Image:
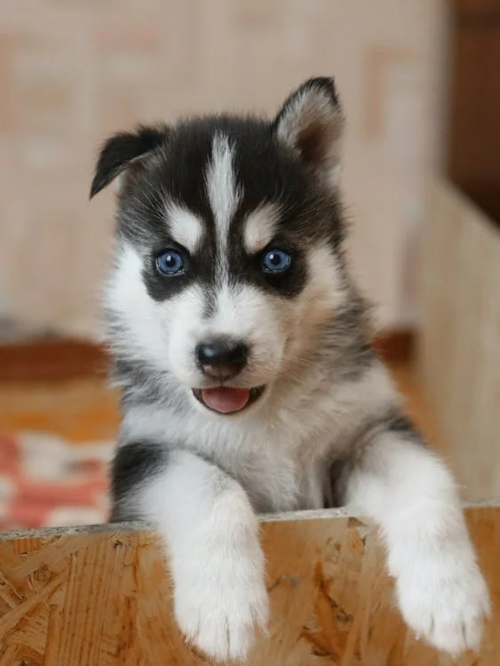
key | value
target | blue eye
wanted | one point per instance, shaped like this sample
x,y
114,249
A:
x,y
276,261
170,262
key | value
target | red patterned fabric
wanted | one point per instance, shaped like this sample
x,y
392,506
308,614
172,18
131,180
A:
x,y
45,481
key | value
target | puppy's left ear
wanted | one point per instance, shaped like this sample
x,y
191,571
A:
x,y
310,122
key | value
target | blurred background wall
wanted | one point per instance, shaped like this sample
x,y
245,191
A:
x,y
420,86
72,72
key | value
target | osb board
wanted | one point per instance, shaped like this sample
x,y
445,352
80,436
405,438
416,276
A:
x,y
459,345
101,596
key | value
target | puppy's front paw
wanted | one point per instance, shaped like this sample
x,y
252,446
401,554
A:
x,y
443,597
220,597
220,608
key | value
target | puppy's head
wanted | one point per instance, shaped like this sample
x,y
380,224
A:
x,y
228,259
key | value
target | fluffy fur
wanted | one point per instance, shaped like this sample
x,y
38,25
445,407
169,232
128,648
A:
x,y
324,426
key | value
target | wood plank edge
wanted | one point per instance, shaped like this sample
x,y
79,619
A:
x,y
142,526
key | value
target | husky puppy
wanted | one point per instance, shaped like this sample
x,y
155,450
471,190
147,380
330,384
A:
x,y
249,385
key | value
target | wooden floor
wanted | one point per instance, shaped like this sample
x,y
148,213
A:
x,y
86,409
78,410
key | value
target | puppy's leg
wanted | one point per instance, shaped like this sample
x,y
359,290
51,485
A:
x,y
397,481
211,532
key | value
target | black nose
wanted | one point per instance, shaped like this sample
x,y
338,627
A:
x,y
222,358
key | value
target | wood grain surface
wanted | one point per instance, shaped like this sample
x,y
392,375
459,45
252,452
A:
x,y
101,596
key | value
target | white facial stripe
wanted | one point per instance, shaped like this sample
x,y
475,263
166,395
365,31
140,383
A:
x,y
223,192
242,310
227,319
186,228
260,227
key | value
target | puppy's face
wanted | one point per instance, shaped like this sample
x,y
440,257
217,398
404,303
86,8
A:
x,y
228,259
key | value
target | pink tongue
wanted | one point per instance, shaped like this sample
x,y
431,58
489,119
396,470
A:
x,y
225,400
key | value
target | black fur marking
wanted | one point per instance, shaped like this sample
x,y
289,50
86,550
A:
x,y
267,172
248,268
336,483
160,287
133,463
400,424
393,420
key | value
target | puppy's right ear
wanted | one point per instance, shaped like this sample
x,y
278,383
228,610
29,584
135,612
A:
x,y
124,151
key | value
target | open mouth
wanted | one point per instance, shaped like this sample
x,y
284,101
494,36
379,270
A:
x,y
227,400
